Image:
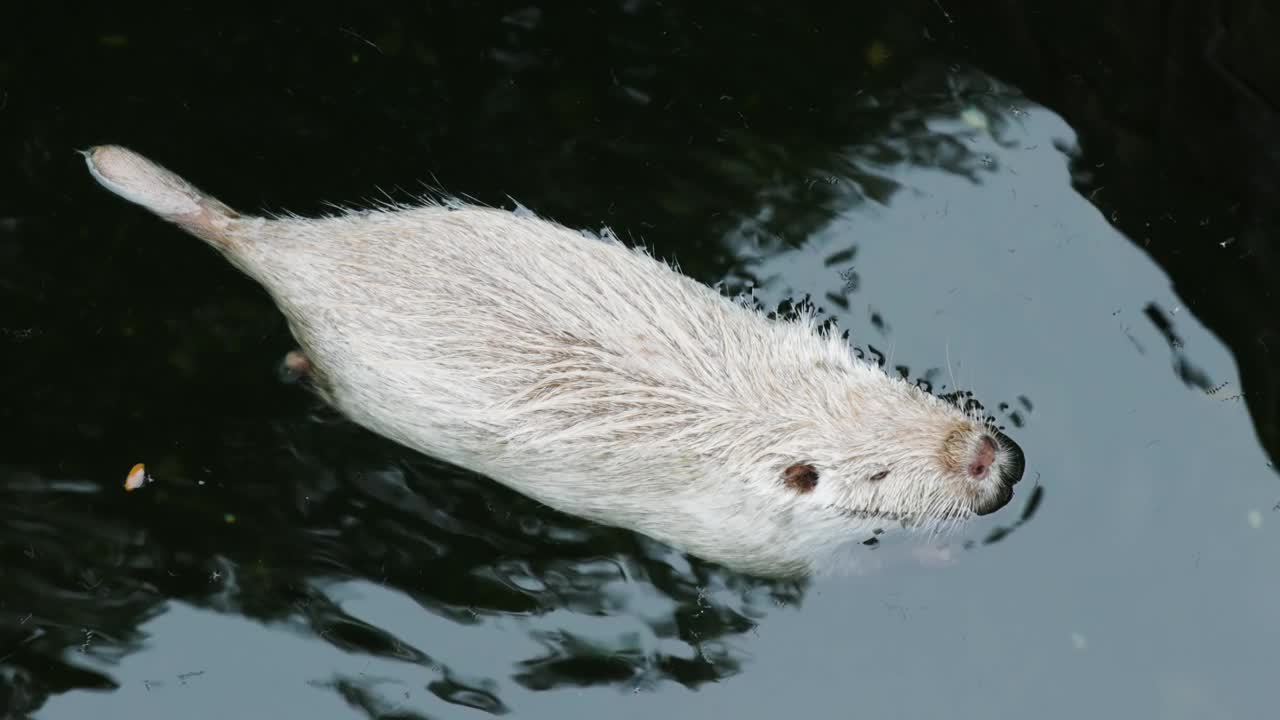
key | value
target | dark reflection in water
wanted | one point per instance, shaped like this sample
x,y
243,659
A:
x,y
1178,108
260,525
717,136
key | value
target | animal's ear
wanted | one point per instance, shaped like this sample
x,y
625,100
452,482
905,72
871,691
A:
x,y
801,477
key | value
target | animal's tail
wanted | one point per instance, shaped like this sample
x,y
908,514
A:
x,y
137,179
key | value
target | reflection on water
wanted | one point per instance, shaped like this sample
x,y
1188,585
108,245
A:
x,y
267,537
282,552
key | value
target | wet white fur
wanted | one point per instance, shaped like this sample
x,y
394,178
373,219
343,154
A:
x,y
589,376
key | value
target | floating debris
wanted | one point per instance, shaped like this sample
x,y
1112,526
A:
x,y
137,478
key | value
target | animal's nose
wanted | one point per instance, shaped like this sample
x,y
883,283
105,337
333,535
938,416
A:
x,y
980,465
1013,463
995,445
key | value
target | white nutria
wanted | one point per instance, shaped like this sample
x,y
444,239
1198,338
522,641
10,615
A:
x,y
598,380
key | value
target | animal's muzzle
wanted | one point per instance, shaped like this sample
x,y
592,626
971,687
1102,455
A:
x,y
1012,463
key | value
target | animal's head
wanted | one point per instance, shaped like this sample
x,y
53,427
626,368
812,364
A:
x,y
885,453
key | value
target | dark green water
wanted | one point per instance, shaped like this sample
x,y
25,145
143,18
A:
x,y
880,161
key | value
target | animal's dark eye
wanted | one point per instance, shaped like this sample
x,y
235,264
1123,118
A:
x,y
880,475
801,477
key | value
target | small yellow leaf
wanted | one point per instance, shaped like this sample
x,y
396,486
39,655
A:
x,y
137,478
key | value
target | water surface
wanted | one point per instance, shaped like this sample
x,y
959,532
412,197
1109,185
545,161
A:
x,y
287,564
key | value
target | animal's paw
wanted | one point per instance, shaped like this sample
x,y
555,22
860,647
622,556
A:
x,y
294,367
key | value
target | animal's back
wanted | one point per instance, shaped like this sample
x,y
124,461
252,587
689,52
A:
x,y
458,331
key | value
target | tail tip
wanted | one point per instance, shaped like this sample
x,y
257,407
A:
x,y
141,181
137,179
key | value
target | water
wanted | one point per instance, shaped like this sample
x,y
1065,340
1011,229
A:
x,y
286,564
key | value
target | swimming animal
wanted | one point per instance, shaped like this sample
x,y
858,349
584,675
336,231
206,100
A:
x,y
597,379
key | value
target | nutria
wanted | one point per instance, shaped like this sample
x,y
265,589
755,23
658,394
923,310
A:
x,y
597,379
